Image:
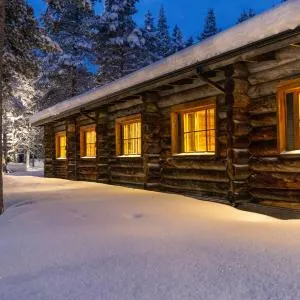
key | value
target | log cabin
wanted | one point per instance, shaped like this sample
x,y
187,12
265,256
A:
x,y
219,121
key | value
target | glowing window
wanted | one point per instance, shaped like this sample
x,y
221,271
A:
x,y
128,136
88,141
193,128
61,144
289,117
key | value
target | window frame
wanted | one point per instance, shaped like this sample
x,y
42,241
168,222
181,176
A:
x,y
119,123
289,87
83,149
177,132
58,135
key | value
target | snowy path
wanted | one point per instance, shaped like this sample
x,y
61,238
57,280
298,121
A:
x,y
74,240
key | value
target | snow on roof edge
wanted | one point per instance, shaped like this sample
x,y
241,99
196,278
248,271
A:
x,y
277,20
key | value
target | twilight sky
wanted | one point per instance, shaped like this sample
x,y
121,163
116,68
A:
x,y
189,14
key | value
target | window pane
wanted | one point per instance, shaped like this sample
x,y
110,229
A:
x,y
188,142
290,134
199,131
90,143
200,141
62,146
211,118
211,138
132,138
200,122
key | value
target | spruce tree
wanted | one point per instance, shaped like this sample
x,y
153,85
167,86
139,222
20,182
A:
x,y
24,42
164,39
119,42
177,42
210,26
245,15
190,41
151,39
65,73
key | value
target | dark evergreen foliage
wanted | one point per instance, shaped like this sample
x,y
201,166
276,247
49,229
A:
x,y
245,15
210,26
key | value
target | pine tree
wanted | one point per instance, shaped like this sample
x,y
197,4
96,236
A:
x,y
24,42
210,26
119,42
245,15
177,42
163,34
22,37
151,39
21,136
190,41
65,74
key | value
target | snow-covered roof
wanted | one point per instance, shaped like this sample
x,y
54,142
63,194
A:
x,y
277,20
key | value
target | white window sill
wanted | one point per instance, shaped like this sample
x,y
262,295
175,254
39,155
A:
x,y
195,154
294,152
87,157
61,158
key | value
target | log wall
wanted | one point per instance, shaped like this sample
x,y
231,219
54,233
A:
x,y
275,178
247,166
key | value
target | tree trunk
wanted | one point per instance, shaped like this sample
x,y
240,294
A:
x,y
27,159
32,161
2,14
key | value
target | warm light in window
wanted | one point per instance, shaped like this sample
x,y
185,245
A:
x,y
131,137
61,144
199,131
90,143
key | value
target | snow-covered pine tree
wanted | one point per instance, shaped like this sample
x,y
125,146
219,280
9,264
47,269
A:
x,y
210,26
164,40
24,40
22,37
119,42
21,137
65,74
245,15
151,39
190,41
177,42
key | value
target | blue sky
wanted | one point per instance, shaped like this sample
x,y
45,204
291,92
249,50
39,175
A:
x,y
189,14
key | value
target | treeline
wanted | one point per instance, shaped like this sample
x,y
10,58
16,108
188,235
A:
x,y
71,49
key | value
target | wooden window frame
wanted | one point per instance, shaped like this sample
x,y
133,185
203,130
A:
x,y
118,131
58,135
83,130
289,87
177,136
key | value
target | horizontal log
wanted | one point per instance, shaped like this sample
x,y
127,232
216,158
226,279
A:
x,y
193,177
190,95
128,176
213,188
263,134
191,164
275,194
263,149
124,105
278,72
275,180
263,105
283,56
264,120
273,167
198,83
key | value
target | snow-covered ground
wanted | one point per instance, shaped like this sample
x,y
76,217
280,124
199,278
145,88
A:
x,y
76,240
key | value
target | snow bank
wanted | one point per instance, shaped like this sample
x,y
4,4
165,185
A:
x,y
68,240
283,18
